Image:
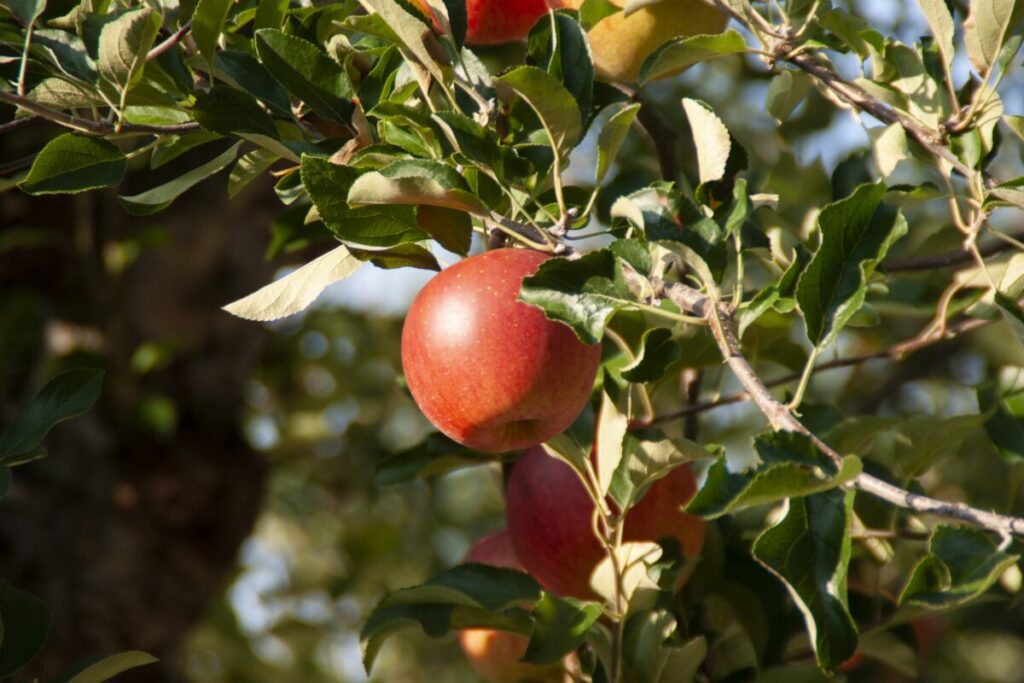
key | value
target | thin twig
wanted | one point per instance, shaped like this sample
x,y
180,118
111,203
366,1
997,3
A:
x,y
781,418
17,164
170,42
88,126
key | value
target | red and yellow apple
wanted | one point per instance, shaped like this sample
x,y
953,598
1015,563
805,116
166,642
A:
x,y
619,44
496,655
489,22
549,519
487,370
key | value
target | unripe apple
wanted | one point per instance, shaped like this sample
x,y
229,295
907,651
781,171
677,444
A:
x,y
549,519
493,654
489,22
619,44
491,372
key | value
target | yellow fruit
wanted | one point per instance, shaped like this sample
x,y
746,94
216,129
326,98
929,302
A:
x,y
620,44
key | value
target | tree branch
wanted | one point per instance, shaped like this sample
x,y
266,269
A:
x,y
88,126
780,417
170,42
950,258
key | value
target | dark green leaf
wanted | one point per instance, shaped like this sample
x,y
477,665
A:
x,y
452,229
1005,429
809,550
406,255
245,71
26,623
329,186
583,293
72,163
856,233
468,596
679,53
160,197
416,182
560,626
63,397
559,47
25,11
228,111
304,70
658,350
962,563
554,105
790,465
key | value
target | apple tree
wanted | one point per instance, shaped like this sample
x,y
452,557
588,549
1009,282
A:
x,y
801,446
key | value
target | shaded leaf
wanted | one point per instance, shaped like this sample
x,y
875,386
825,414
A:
x,y
560,626
26,625
785,92
124,43
790,465
554,105
437,454
559,47
405,255
809,550
658,350
65,396
25,11
160,197
650,454
71,163
207,23
452,229
962,563
679,53
610,139
304,70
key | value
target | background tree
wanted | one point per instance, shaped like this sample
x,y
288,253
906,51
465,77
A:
x,y
827,203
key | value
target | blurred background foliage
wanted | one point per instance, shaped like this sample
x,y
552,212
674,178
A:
x,y
317,404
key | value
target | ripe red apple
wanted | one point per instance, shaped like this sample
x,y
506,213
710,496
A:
x,y
549,518
620,44
489,22
493,654
490,372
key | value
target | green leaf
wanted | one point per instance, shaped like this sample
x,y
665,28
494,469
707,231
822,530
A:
x,y
658,350
609,140
416,182
940,21
296,290
785,92
207,23
229,111
583,293
651,649
593,11
71,163
305,71
405,255
26,624
1015,124
25,11
467,596
790,465
436,455
245,72
560,626
856,233
161,196
63,397
985,29
329,185
809,550
650,454
679,53
554,105
452,229
248,168
559,47
1005,429
409,29
111,666
124,44
961,564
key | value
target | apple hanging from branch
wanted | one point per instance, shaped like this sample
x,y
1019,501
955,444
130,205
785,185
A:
x,y
487,370
550,521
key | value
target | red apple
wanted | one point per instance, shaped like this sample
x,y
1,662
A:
x,y
489,22
549,518
490,372
493,654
